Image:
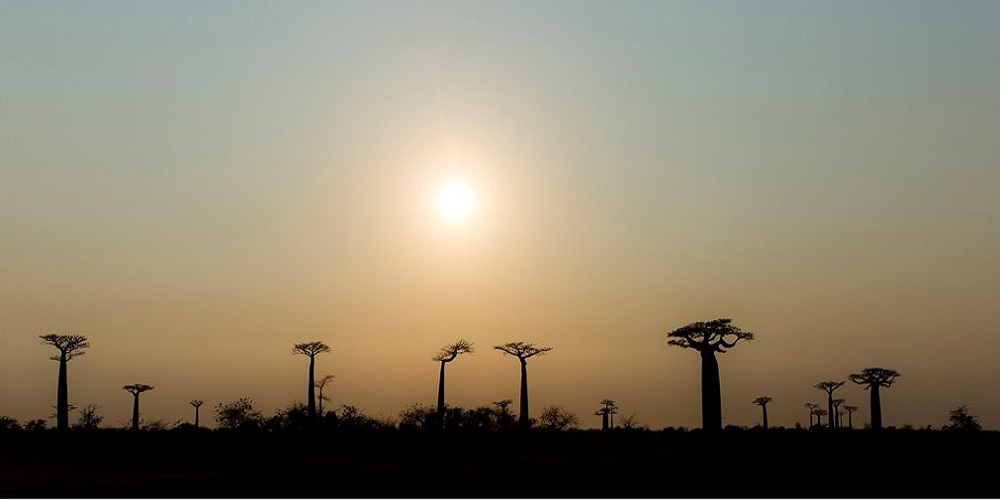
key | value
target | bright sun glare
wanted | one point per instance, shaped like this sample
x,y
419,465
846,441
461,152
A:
x,y
455,201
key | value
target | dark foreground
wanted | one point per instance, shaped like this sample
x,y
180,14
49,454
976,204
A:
x,y
576,464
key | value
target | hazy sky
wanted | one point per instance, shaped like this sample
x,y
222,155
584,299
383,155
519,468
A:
x,y
197,186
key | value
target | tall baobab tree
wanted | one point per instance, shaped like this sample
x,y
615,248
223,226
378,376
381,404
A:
x,y
196,403
874,378
812,407
448,354
607,411
320,384
708,338
850,411
522,351
136,390
311,349
762,402
829,386
70,346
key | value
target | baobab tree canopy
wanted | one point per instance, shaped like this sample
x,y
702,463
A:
x,y
715,336
310,348
69,346
522,350
869,377
451,351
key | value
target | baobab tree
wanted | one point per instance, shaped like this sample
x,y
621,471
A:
x,y
762,402
836,407
850,411
70,346
828,387
448,354
812,407
320,384
136,390
708,338
196,403
819,412
311,349
522,351
608,409
874,378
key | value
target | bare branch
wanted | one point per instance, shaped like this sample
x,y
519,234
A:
x,y
522,350
70,346
310,349
451,351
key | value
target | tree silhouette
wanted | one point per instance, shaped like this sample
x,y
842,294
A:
x,y
762,402
708,338
89,418
135,390
850,411
819,412
828,387
522,351
874,378
70,346
557,418
962,420
608,409
812,407
196,403
448,354
320,384
504,418
311,349
836,406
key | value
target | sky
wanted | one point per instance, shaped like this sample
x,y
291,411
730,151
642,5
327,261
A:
x,y
198,186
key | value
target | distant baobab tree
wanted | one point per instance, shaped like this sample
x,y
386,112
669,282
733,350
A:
x,y
828,387
607,411
836,407
819,412
135,390
708,338
762,402
448,354
70,346
196,403
504,419
311,349
850,410
874,378
320,384
522,351
811,407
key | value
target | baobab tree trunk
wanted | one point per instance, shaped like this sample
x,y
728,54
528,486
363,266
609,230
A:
x,y
135,411
440,405
312,388
764,407
604,421
196,416
62,396
876,408
523,422
830,410
711,392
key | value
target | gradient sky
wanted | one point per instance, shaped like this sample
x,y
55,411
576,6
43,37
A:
x,y
197,186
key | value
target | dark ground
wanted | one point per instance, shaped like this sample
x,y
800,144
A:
x,y
781,463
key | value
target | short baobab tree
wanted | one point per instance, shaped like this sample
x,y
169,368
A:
x,y
872,379
448,354
850,411
819,412
607,411
811,407
70,346
135,390
196,403
762,401
828,387
311,349
321,384
836,407
522,351
708,338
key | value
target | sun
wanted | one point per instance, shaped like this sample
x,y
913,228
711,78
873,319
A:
x,y
455,201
